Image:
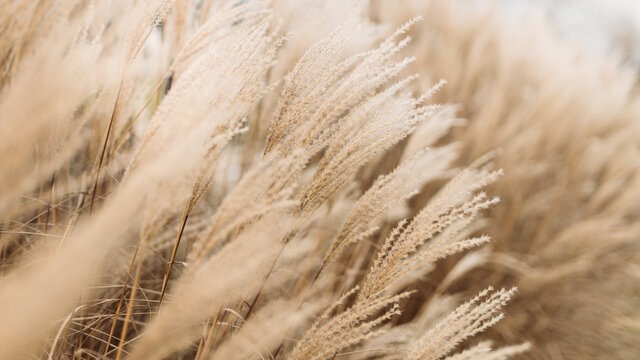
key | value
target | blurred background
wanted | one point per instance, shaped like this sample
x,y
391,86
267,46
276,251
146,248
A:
x,y
601,27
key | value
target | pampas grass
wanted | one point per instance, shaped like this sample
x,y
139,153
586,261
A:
x,y
254,179
566,232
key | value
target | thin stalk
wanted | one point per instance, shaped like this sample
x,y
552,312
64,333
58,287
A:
x,y
122,294
127,318
104,145
255,300
135,118
204,350
183,222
